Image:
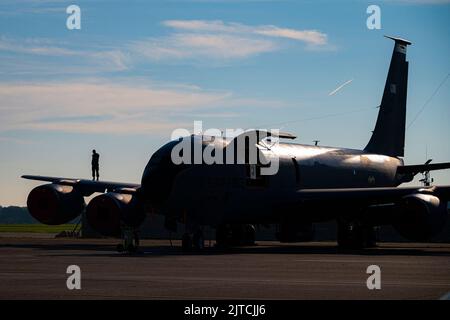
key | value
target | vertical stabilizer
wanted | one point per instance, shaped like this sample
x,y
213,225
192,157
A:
x,y
388,138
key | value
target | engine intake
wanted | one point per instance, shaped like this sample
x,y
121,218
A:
x,y
421,217
107,212
55,204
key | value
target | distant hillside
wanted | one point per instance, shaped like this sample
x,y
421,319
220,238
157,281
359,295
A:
x,y
15,215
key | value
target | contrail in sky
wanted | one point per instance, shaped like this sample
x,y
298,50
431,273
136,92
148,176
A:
x,y
340,87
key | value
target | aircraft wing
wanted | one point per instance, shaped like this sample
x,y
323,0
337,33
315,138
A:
x,y
415,169
368,196
87,187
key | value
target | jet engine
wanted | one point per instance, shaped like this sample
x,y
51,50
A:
x,y
420,216
107,212
55,204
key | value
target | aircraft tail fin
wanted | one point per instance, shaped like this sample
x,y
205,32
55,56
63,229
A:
x,y
388,138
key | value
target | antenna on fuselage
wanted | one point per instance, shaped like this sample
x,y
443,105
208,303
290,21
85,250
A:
x,y
427,180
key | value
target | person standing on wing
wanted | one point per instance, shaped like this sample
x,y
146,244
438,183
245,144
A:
x,y
95,165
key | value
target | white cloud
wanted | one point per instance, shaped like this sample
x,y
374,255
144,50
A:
x,y
191,39
311,37
203,25
34,46
81,61
135,106
103,106
216,46
97,107
219,40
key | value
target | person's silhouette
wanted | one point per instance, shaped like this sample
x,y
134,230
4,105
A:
x,y
95,166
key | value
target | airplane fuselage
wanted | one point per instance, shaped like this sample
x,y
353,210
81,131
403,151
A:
x,y
224,193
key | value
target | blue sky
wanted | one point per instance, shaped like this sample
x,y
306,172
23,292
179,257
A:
x,y
139,69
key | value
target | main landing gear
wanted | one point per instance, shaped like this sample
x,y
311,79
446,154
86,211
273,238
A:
x,y
194,241
226,236
235,235
356,235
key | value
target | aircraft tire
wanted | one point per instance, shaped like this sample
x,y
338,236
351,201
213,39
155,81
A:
x,y
198,240
186,242
354,235
249,235
222,236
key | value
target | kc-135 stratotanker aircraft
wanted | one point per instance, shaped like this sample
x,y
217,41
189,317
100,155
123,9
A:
x,y
357,188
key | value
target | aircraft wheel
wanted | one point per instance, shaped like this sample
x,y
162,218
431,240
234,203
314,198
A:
x,y
131,248
186,242
222,236
235,235
249,235
198,240
355,236
349,236
243,235
120,248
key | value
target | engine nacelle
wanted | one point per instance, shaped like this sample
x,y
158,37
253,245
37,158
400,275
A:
x,y
55,204
107,212
421,216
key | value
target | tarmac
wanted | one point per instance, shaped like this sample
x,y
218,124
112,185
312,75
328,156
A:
x,y
35,268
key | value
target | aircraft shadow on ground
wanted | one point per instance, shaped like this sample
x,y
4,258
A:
x,y
149,251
